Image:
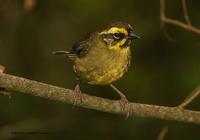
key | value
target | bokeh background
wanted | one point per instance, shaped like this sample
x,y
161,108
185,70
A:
x,y
164,70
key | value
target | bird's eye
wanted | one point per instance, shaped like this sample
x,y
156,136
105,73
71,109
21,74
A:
x,y
118,36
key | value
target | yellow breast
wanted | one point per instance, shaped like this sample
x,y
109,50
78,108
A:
x,y
104,67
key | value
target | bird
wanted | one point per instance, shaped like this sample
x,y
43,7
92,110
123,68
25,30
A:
x,y
102,57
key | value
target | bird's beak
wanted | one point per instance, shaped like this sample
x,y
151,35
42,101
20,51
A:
x,y
132,35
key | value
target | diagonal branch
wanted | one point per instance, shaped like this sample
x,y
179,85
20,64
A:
x,y
185,12
186,26
193,95
19,84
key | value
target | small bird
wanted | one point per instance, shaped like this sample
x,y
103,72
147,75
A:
x,y
103,57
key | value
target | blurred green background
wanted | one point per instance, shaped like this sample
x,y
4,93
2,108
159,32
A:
x,y
164,71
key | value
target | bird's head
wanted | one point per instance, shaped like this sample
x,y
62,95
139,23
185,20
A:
x,y
118,35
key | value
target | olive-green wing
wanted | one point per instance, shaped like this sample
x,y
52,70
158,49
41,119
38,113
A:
x,y
80,49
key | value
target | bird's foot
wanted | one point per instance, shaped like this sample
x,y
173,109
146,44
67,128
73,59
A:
x,y
78,97
124,103
126,106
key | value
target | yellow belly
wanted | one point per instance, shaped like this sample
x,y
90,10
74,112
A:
x,y
107,76
103,68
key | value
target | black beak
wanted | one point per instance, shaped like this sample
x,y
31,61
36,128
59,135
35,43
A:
x,y
132,35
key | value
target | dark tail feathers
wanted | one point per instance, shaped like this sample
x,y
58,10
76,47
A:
x,y
60,52
70,55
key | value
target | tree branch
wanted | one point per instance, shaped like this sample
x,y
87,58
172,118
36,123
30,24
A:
x,y
193,95
19,84
185,12
186,26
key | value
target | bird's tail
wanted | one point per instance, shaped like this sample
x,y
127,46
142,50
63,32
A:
x,y
68,54
61,52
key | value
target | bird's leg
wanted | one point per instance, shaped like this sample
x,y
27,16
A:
x,y
77,92
125,105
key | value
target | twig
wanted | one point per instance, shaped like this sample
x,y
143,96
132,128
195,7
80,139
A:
x,y
187,26
30,87
181,24
195,93
164,19
162,11
185,12
163,132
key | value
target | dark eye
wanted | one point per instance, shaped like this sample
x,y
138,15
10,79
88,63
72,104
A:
x,y
118,36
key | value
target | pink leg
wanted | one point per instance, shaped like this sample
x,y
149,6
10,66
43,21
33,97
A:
x,y
125,105
78,97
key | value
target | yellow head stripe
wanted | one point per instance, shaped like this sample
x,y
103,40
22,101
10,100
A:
x,y
115,30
